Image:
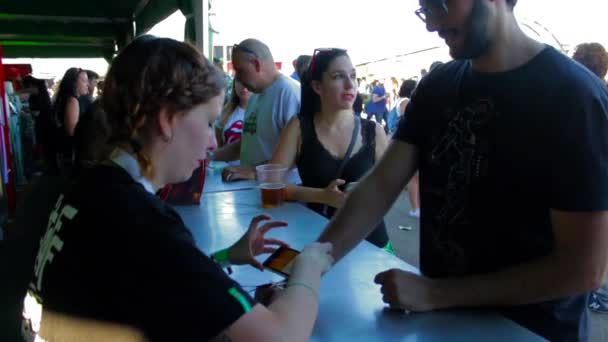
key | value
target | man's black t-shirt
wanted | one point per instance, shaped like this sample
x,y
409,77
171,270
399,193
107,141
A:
x,y
497,152
115,252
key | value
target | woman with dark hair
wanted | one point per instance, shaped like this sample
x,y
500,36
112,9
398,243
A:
x,y
326,141
66,110
122,256
90,137
404,94
358,105
40,104
229,127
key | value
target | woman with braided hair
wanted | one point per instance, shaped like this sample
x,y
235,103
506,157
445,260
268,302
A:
x,y
115,253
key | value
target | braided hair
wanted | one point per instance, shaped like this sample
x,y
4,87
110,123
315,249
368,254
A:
x,y
149,75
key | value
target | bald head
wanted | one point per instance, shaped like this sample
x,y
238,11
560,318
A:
x,y
253,65
255,47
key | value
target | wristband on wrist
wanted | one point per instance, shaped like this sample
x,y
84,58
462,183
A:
x,y
221,257
308,287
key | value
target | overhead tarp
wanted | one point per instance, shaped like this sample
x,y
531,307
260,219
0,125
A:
x,y
155,12
76,28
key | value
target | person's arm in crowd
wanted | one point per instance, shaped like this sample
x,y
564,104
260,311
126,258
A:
x,y
402,107
330,195
71,115
228,152
286,153
577,265
378,98
219,136
381,142
291,316
359,215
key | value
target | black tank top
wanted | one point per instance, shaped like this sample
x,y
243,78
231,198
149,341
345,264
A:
x,y
65,143
318,168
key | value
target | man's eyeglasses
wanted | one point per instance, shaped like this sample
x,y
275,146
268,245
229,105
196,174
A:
x,y
319,52
433,9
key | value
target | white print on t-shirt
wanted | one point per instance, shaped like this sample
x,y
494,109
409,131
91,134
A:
x,y
51,243
464,151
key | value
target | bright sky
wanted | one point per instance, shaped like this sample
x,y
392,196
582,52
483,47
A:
x,y
368,29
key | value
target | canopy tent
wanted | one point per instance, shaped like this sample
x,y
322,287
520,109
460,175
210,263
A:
x,y
75,28
78,29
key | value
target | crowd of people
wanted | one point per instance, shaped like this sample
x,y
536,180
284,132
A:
x,y
503,152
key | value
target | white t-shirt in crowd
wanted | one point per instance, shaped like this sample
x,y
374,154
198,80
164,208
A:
x,y
233,129
267,114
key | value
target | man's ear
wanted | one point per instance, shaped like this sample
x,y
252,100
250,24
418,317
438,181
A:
x,y
257,64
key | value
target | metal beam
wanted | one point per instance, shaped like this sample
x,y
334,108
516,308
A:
x,y
42,37
141,5
32,51
63,19
50,43
201,25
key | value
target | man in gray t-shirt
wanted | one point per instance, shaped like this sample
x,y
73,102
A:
x,y
275,101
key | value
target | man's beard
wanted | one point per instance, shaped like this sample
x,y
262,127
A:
x,y
477,41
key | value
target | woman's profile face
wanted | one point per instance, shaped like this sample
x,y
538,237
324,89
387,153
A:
x,y
192,136
242,92
82,84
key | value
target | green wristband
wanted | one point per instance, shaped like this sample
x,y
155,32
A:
x,y
389,248
314,293
221,257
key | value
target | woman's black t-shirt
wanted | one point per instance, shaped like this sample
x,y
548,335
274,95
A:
x,y
115,252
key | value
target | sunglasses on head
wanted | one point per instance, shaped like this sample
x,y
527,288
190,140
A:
x,y
244,49
319,52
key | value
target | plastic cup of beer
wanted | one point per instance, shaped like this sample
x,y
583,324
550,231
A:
x,y
271,179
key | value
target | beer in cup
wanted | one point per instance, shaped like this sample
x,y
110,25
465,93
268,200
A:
x,y
271,179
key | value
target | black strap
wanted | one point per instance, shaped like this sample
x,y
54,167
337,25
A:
x,y
349,151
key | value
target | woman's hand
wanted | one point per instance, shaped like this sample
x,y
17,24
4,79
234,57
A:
x,y
238,172
332,195
254,243
316,256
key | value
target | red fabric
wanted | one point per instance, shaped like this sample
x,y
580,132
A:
x,y
11,193
234,132
188,192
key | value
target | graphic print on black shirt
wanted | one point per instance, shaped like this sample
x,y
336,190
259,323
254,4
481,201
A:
x,y
463,150
498,152
51,243
115,252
